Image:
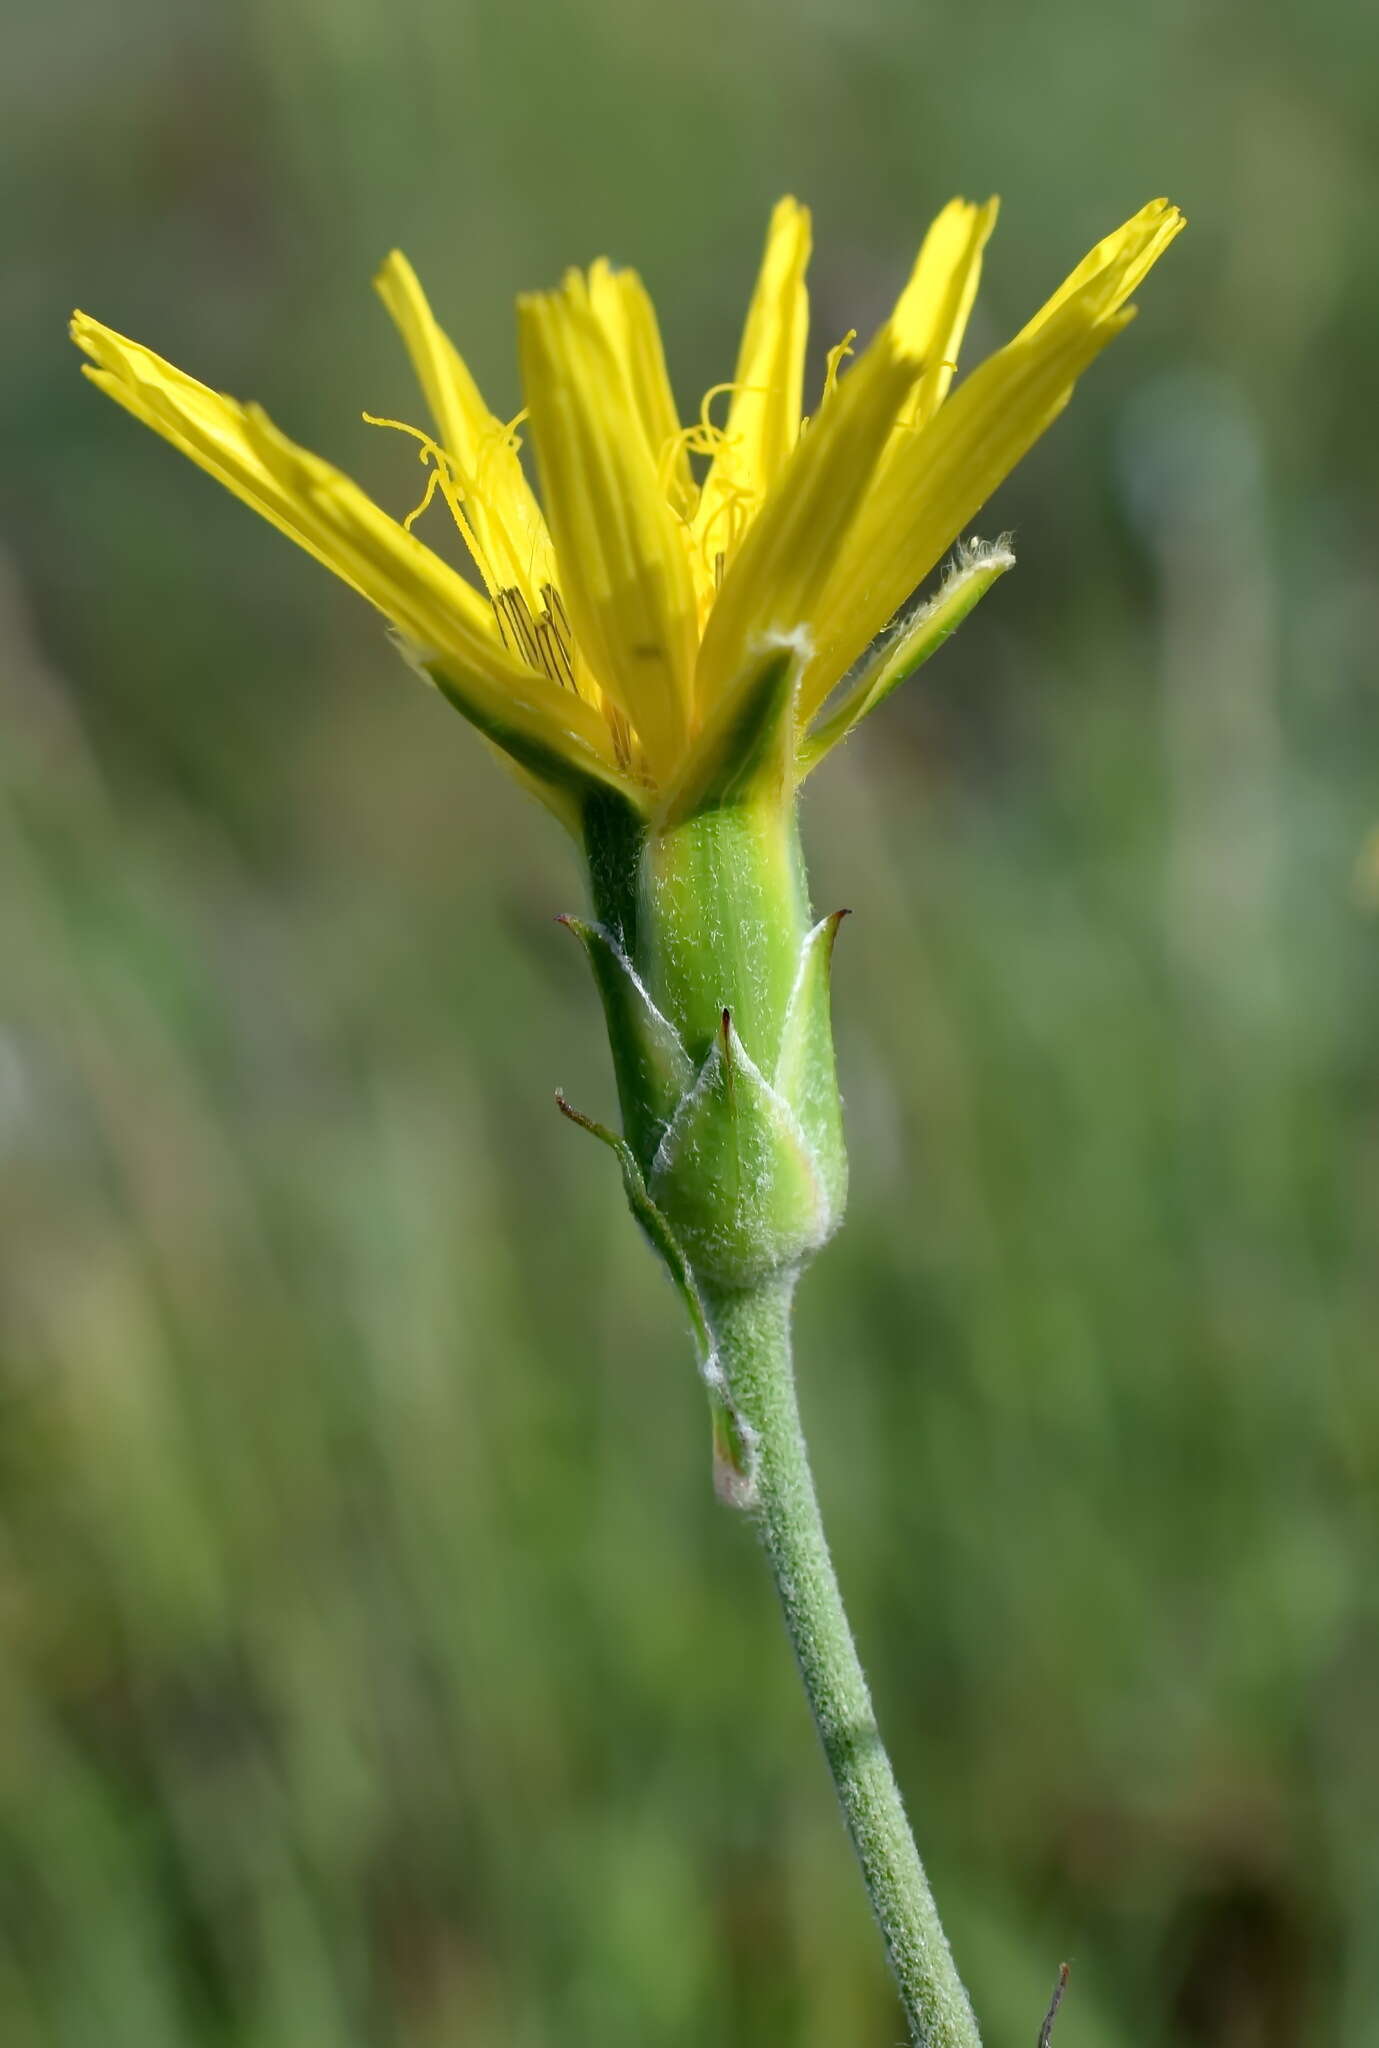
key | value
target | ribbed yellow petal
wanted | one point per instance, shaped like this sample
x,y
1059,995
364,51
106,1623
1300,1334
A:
x,y
937,481
1116,267
624,571
513,547
622,306
931,313
784,563
328,515
763,422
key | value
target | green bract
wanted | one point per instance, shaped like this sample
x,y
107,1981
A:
x,y
724,1056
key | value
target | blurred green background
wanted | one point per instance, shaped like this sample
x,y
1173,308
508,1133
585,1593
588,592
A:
x,y
378,1670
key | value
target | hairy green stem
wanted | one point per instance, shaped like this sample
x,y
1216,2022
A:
x,y
751,1329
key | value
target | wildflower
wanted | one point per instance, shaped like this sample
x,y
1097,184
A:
x,y
616,639
664,652
669,639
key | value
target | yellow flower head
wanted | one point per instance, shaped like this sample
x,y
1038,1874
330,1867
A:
x,y
616,637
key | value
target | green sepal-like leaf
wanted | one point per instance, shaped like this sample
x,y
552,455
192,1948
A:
x,y
654,1071
734,1174
746,751
909,646
559,766
806,1075
734,1440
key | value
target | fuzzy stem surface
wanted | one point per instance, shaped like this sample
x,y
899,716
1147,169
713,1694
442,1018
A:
x,y
752,1333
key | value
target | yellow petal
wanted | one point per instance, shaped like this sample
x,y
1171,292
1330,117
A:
x,y
763,422
624,573
931,313
622,306
1116,267
328,515
784,563
513,550
936,481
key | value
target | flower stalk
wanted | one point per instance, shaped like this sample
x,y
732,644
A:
x,y
752,1332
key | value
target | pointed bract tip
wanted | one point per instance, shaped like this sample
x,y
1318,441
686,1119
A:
x,y
576,1116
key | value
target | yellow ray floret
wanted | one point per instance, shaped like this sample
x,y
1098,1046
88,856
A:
x,y
618,631
622,306
763,420
513,547
619,548
932,312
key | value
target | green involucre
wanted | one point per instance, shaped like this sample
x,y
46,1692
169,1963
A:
x,y
715,984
